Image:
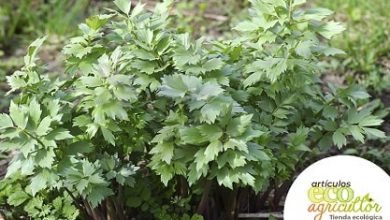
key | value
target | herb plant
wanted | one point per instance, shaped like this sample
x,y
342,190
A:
x,y
148,123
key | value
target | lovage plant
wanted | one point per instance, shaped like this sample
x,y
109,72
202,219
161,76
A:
x,y
147,123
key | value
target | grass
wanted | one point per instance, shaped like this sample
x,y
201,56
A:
x,y
366,40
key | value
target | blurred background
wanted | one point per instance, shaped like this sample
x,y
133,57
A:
x,y
366,40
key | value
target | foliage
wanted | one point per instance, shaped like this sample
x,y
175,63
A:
x,y
145,106
15,193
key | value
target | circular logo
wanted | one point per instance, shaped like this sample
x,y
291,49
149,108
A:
x,y
340,188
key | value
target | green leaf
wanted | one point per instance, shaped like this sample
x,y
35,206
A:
x,y
330,29
45,158
213,64
59,134
375,132
212,150
35,111
18,115
246,26
257,153
304,49
32,51
238,161
17,198
16,82
210,132
370,121
281,66
210,111
44,126
330,51
97,21
79,147
38,183
339,139
330,112
191,135
108,136
173,86
123,5
360,94
166,152
356,132
201,159
5,121
298,2
209,89
317,14
166,172
239,125
98,194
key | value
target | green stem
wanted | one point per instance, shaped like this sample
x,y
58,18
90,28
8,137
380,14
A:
x,y
290,8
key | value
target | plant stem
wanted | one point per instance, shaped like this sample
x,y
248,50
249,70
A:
x,y
204,200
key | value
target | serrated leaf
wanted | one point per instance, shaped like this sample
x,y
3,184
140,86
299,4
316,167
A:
x,y
16,82
59,134
304,48
45,158
213,64
44,126
257,153
32,51
35,111
238,125
356,132
274,73
173,86
97,21
253,78
370,121
123,5
54,107
212,150
166,152
330,29
339,139
298,2
317,14
375,132
5,121
108,136
201,159
224,178
191,135
209,89
38,183
330,112
18,116
17,198
98,194
166,172
246,26
79,147
210,111
210,132
238,161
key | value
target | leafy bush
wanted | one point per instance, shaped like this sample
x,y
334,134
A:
x,y
153,125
